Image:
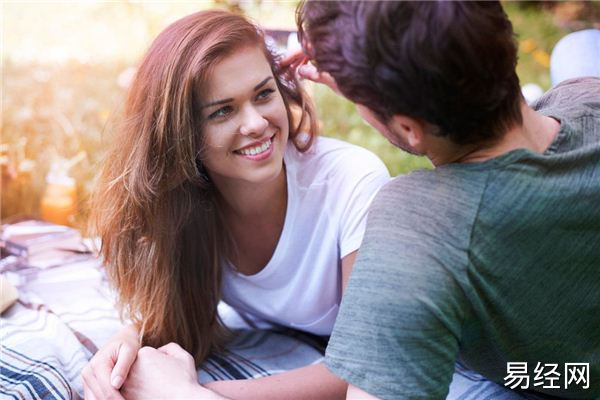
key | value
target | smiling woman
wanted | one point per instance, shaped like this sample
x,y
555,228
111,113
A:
x,y
246,128
211,192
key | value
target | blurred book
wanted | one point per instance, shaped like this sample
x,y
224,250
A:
x,y
8,294
42,244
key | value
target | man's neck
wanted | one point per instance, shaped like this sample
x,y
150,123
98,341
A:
x,y
536,133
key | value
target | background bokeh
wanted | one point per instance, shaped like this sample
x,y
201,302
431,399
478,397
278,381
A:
x,y
65,68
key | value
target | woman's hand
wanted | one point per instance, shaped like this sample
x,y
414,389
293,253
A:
x,y
107,370
168,372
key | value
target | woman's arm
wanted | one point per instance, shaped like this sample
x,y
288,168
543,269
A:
x,y
310,382
355,393
347,264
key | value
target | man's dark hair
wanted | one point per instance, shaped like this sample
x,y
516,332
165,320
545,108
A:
x,y
451,64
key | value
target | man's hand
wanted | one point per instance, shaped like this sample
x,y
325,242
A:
x,y
164,373
299,62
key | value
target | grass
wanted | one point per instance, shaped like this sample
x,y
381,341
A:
x,y
53,112
340,119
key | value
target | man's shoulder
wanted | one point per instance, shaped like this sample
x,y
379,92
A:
x,y
571,98
435,210
444,187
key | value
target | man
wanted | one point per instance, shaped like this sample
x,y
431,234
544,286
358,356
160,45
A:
x,y
492,259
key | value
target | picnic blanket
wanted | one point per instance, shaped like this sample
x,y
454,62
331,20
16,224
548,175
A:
x,y
64,314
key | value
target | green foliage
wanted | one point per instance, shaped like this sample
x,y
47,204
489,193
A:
x,y
61,108
537,33
341,120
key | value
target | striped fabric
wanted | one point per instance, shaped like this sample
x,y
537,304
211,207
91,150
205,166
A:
x,y
40,358
254,354
65,314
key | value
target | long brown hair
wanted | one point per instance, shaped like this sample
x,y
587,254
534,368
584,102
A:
x,y
163,238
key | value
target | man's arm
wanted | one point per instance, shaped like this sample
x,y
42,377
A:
x,y
313,381
400,321
172,364
169,372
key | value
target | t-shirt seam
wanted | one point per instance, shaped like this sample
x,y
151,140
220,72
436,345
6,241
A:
x,y
469,247
565,132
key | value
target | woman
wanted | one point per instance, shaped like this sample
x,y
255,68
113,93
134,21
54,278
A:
x,y
211,191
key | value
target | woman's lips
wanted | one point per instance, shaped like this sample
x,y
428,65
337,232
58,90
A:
x,y
257,152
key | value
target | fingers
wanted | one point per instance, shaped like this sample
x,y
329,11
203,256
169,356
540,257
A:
x,y
94,390
87,393
310,72
293,59
176,351
173,349
125,358
106,371
299,61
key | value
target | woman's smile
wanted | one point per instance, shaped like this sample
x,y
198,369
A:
x,y
246,126
257,151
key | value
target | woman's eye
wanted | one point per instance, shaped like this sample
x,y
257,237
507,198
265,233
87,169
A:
x,y
221,112
264,94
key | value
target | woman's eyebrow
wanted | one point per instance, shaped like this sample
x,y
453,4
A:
x,y
224,101
262,82
216,103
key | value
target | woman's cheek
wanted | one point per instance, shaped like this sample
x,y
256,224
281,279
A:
x,y
278,113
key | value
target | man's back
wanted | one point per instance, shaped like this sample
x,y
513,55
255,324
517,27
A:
x,y
496,261
534,262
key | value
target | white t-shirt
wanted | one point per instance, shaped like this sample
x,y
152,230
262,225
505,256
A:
x,y
330,188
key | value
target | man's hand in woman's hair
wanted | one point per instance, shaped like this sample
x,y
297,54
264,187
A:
x,y
301,64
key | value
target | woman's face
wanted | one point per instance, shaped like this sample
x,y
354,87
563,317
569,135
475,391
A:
x,y
246,125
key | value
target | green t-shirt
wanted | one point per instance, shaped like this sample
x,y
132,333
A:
x,y
488,263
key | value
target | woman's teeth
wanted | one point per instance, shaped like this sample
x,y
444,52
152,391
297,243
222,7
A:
x,y
256,150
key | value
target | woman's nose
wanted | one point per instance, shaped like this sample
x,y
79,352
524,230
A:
x,y
253,122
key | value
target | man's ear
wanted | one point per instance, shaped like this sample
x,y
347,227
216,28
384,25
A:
x,y
410,129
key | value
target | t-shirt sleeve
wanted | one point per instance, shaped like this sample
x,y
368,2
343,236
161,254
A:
x,y
398,330
362,175
572,97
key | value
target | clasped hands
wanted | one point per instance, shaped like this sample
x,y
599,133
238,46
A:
x,y
123,370
168,372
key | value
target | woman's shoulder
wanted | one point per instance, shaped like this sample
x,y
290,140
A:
x,y
329,156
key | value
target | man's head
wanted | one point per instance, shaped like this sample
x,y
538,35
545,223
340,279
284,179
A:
x,y
449,65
